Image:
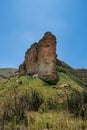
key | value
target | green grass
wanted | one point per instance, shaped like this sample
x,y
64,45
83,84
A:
x,y
55,121
7,72
67,80
51,121
52,102
72,74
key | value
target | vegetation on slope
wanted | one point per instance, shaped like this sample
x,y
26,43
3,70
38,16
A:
x,y
31,104
7,72
76,75
27,102
82,74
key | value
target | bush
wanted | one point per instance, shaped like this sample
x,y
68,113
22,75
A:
x,y
15,105
76,102
13,108
50,103
32,99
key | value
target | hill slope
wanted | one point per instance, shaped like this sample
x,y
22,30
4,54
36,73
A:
x,y
83,75
21,95
7,72
77,75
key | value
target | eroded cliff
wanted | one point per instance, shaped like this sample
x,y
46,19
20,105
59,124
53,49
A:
x,y
40,59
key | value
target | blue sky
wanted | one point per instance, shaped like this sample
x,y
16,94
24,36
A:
x,y
23,22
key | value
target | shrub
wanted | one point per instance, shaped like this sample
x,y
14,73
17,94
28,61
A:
x,y
16,105
76,102
50,103
32,99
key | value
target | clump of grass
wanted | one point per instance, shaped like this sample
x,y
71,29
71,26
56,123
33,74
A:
x,y
32,99
56,121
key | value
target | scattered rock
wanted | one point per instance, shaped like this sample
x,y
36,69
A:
x,y
67,86
35,76
54,86
19,81
60,95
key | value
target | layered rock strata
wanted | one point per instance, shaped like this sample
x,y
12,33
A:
x,y
40,59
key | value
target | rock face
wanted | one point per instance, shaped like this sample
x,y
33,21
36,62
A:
x,y
40,59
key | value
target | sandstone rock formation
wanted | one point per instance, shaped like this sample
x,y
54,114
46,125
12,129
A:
x,y
40,59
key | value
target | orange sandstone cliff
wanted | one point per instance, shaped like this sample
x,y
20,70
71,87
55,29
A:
x,y
40,59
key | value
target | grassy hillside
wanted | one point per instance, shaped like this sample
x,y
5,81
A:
x,y
29,103
82,75
77,75
7,72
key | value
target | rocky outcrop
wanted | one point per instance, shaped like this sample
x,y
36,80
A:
x,y
40,59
